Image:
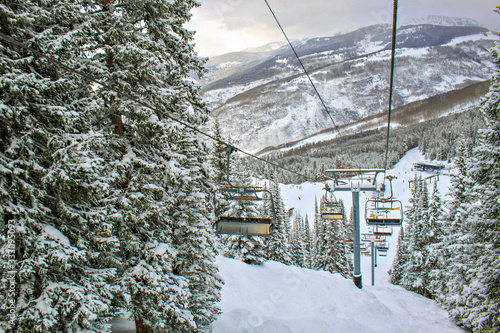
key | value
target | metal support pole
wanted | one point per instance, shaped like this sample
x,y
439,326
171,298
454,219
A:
x,y
374,255
356,239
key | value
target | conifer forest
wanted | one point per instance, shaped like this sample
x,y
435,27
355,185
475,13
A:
x,y
109,190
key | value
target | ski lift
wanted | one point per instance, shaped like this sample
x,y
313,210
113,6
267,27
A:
x,y
382,230
242,225
384,211
382,246
332,209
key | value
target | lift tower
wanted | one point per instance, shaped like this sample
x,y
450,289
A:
x,y
355,180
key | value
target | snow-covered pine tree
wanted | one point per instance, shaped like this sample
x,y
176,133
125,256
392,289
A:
x,y
434,269
412,277
56,240
157,167
481,309
402,256
456,249
346,258
297,241
218,158
307,240
332,254
315,232
400,259
421,274
277,247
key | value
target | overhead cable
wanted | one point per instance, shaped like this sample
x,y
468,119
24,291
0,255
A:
x,y
391,80
300,62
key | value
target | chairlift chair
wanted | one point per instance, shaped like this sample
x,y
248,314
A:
x,y
382,246
384,211
331,209
382,230
242,225
239,225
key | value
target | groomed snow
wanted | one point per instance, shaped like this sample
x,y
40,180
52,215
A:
x,y
279,298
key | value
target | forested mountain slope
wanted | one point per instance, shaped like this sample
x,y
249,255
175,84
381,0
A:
x,y
264,99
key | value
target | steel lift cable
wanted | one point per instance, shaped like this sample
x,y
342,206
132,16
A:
x,y
144,104
391,80
301,64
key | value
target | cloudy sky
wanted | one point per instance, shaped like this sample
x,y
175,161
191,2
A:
x,y
232,25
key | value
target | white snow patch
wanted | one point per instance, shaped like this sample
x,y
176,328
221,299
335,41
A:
x,y
471,38
55,234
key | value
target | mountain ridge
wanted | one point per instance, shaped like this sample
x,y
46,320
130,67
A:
x,y
267,100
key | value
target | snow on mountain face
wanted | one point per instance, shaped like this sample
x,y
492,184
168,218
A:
x,y
263,98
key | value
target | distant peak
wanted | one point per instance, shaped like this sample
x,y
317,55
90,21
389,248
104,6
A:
x,y
443,20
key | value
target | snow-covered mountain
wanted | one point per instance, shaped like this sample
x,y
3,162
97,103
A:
x,y
262,97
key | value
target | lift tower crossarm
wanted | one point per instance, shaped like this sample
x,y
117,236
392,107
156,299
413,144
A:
x,y
349,179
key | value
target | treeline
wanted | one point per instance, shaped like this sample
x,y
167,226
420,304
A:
x,y
450,251
437,139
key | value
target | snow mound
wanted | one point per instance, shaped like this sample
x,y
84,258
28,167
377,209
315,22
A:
x,y
279,298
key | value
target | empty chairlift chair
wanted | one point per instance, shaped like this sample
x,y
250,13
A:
x,y
384,212
231,224
332,210
241,225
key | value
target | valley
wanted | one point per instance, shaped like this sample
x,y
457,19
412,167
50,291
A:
x,y
263,99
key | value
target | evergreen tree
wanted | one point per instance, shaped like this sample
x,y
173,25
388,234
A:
x,y
56,240
307,240
277,247
456,248
297,241
315,233
423,243
402,256
480,311
347,265
412,278
149,170
158,166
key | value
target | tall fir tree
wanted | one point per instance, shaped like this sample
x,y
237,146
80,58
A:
x,y
412,278
481,309
402,256
56,239
433,263
457,247
307,239
297,242
277,247
143,171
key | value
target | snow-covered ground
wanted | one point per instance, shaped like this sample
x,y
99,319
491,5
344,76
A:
x,y
278,298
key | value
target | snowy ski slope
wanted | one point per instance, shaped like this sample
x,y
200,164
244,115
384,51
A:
x,y
275,298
